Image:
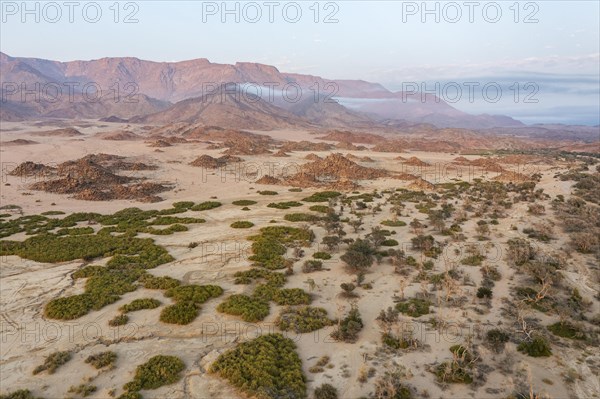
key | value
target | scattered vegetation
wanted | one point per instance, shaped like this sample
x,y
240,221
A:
x,y
250,309
244,202
53,362
139,304
323,196
205,206
349,327
266,367
242,224
537,347
157,371
303,319
414,307
102,359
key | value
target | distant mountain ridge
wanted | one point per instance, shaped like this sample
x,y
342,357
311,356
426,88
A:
x,y
163,83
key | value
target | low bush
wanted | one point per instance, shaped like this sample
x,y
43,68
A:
x,y
250,309
102,359
244,202
53,362
268,192
303,319
180,313
320,208
83,390
310,266
301,217
272,278
158,283
566,330
196,294
284,205
393,223
266,367
326,391
389,243
349,327
242,224
269,246
537,347
394,342
414,307
140,304
473,260
205,206
497,339
322,255
484,292
292,296
19,394
323,196
453,373
119,320
157,371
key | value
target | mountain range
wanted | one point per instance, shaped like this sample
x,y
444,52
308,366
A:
x,y
197,91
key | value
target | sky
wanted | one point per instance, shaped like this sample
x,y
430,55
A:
x,y
549,50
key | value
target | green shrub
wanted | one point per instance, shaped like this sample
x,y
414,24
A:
x,y
389,243
284,205
295,190
322,196
310,266
267,192
242,224
180,313
244,202
102,359
68,308
119,320
462,353
130,395
269,246
205,206
83,390
349,327
266,367
320,208
484,292
453,373
473,260
53,362
183,205
303,319
250,309
322,255
394,342
291,296
301,217
157,371
272,278
326,391
196,294
19,394
496,339
158,283
537,347
140,304
566,330
393,223
414,307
